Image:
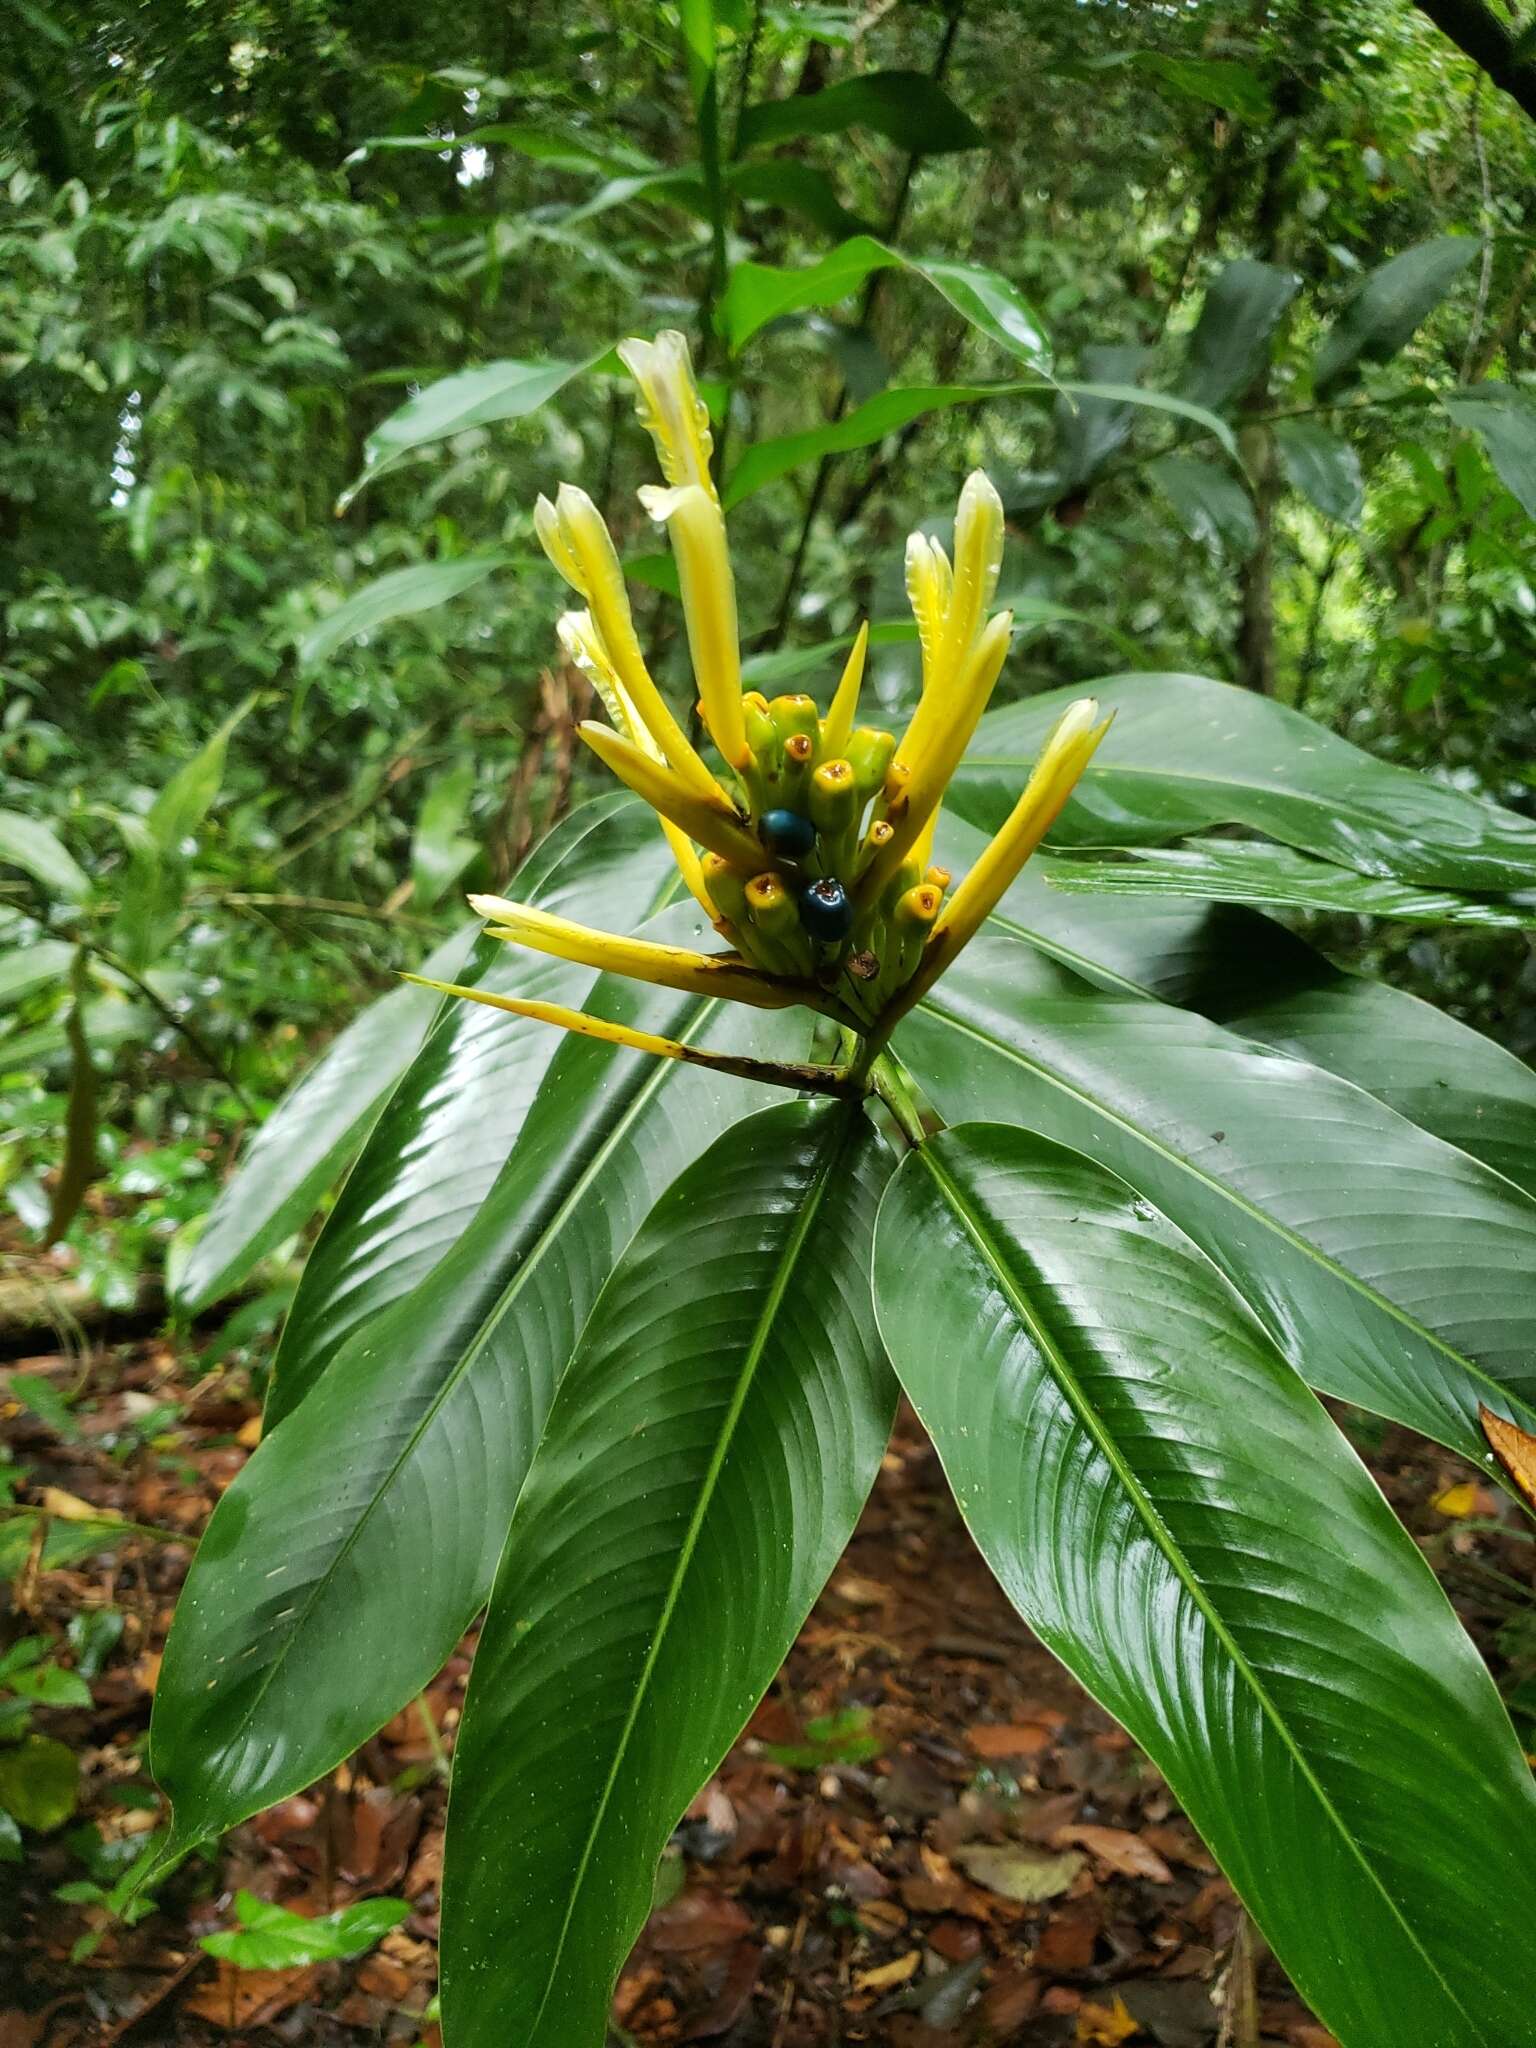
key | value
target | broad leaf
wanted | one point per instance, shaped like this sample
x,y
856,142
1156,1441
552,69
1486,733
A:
x,y
1179,1521
1089,431
446,1130
470,398
1244,304
301,1148
1211,82
1392,1270
153,888
399,595
1187,753
798,188
1504,420
26,969
441,849
907,107
1323,468
1249,871
1213,508
706,1459
40,853
385,1496
1390,305
271,1937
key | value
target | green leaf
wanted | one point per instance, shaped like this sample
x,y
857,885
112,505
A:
x,y
399,595
273,1938
1323,468
1392,1270
39,1782
298,1152
82,1113
1244,304
441,850
1090,431
445,1131
38,852
180,808
1155,401
26,969
1212,82
1392,302
797,188
706,1458
1187,753
470,398
388,1490
759,292
907,107
1183,1526
46,1685
1504,419
1249,871
1213,508
10,1839
153,889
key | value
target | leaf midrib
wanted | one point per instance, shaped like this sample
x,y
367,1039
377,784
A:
x,y
1241,1202
789,1257
1088,1415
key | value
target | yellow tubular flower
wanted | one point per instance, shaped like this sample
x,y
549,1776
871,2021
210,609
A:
x,y
670,408
933,765
573,535
712,824
838,722
696,526
1066,753
928,589
978,560
676,967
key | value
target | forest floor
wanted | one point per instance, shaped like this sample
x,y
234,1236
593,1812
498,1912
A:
x,y
929,1836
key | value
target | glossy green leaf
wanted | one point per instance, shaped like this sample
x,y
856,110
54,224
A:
x,y
1392,302
271,1937
40,853
1250,871
441,849
446,1130
25,969
1211,505
399,595
1391,1269
469,398
1186,753
907,107
388,1490
760,292
1244,304
706,1458
1178,1519
1504,420
302,1147
798,188
1323,468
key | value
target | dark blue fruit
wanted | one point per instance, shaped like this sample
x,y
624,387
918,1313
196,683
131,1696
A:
x,y
787,833
825,910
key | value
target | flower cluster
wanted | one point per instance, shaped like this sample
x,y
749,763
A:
x,y
810,847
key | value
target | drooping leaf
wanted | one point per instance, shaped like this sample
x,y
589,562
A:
x,y
1181,1523
1244,304
1325,469
1504,420
301,1148
798,188
1211,505
1390,305
707,1456
272,1937
469,398
907,107
445,1131
441,849
399,595
1090,431
388,1490
1250,871
1187,753
38,851
1327,1212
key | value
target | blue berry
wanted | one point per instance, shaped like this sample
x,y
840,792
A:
x,y
825,910
787,833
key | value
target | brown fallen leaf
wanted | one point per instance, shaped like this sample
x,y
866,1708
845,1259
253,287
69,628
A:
x,y
1023,1738
886,1976
1125,1853
1463,1499
1022,1874
236,1998
1514,1449
69,1507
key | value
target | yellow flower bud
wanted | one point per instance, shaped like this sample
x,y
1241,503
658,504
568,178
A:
x,y
697,529
670,408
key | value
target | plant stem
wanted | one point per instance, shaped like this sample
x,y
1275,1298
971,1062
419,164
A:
x,y
178,1023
